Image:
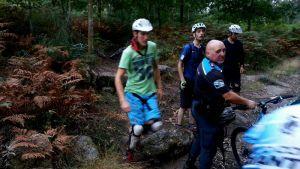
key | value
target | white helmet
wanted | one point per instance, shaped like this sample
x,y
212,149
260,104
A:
x,y
197,26
235,29
142,25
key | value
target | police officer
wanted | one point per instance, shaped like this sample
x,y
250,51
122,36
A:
x,y
210,94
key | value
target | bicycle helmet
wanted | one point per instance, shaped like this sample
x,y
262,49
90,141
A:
x,y
198,26
235,29
142,25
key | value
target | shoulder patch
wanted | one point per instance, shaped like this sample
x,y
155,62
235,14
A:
x,y
219,83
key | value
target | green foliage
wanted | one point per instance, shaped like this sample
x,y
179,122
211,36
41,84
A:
x,y
269,46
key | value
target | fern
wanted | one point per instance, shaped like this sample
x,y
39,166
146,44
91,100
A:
x,y
18,118
26,132
22,144
32,155
5,35
33,88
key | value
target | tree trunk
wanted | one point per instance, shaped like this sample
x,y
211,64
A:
x,y
99,4
29,17
181,10
69,18
158,15
90,27
251,11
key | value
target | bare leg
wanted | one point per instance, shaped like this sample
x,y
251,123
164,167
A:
x,y
191,118
180,116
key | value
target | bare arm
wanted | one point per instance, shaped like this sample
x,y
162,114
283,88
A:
x,y
180,70
157,79
120,89
236,99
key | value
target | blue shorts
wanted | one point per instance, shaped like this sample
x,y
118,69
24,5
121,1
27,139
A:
x,y
140,113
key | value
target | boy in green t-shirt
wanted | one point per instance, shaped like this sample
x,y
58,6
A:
x,y
139,61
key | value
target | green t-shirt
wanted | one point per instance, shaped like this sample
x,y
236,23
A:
x,y
139,69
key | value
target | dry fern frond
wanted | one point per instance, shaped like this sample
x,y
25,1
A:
x,y
8,35
12,83
43,64
21,138
70,78
46,78
41,101
71,65
20,73
2,45
17,62
62,142
32,155
26,144
5,24
19,131
18,118
51,132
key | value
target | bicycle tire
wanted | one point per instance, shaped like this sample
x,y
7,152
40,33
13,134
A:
x,y
234,143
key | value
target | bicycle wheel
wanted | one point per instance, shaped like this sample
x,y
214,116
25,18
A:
x,y
240,149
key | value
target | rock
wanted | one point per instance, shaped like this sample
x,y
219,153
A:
x,y
167,143
83,150
104,78
164,69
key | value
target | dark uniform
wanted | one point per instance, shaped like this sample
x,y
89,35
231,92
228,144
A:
x,y
234,58
191,56
208,104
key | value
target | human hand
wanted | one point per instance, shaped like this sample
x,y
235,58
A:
x,y
251,104
242,70
182,84
125,106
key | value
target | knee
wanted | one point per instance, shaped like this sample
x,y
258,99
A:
x,y
137,130
157,125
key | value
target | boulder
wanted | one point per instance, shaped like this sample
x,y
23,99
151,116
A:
x,y
83,150
167,143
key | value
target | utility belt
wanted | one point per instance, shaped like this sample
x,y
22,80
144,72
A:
x,y
210,109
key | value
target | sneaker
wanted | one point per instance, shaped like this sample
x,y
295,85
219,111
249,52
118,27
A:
x,y
192,127
129,156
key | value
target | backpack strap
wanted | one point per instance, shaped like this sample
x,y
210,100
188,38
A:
x,y
191,49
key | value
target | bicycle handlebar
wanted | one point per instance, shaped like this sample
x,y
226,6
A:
x,y
274,100
262,104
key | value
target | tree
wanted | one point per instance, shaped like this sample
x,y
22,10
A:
x,y
90,27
